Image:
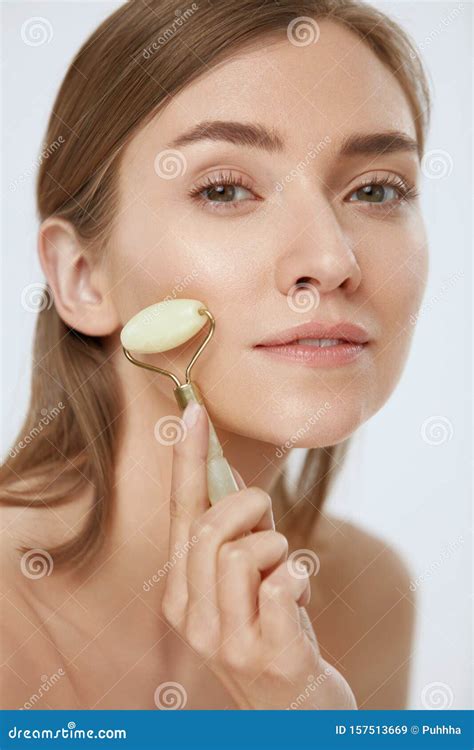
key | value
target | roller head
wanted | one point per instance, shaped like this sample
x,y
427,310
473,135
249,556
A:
x,y
163,326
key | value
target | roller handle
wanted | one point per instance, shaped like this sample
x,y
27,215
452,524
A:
x,y
220,479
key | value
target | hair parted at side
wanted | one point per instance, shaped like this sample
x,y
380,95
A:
x,y
129,67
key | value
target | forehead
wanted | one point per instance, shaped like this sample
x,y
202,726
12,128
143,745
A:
x,y
330,87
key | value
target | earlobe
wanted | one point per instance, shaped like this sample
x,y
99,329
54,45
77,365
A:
x,y
78,284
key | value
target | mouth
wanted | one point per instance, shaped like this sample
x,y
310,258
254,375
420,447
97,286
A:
x,y
318,345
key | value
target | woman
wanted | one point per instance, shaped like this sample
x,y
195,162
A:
x,y
263,158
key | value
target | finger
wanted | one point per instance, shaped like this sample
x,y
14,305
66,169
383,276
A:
x,y
279,596
188,496
240,568
267,521
231,517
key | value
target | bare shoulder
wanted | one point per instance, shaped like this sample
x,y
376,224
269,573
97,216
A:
x,y
35,671
15,629
355,555
363,612
27,657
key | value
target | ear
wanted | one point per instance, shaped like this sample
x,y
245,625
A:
x,y
78,285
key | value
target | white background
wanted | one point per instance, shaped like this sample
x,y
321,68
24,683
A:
x,y
414,494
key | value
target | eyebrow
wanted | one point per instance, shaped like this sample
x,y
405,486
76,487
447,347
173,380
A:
x,y
258,136
387,142
239,133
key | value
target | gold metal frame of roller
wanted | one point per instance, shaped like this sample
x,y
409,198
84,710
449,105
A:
x,y
186,391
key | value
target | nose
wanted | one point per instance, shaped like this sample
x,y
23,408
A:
x,y
318,251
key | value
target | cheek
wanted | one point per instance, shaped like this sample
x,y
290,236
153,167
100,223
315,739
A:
x,y
394,276
155,263
395,285
161,260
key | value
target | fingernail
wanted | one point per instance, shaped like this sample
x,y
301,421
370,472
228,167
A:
x,y
191,413
238,478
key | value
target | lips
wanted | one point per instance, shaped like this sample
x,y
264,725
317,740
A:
x,y
344,331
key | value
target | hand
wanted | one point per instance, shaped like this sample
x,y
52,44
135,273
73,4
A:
x,y
233,598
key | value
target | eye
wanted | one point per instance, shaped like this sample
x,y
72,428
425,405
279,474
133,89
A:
x,y
224,188
382,190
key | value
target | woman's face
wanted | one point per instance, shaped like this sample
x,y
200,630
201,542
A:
x,y
237,222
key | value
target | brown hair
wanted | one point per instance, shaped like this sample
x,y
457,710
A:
x,y
138,57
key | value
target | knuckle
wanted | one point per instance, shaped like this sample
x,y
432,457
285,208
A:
x,y
271,589
232,552
257,499
172,611
257,495
297,576
235,658
199,643
281,541
201,637
202,528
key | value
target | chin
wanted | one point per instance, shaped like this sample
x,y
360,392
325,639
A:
x,y
321,428
290,425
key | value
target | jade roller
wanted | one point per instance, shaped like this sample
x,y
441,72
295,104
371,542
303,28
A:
x,y
164,326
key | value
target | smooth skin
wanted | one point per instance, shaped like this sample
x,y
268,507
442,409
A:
x,y
369,264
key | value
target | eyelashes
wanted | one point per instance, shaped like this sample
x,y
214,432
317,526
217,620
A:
x,y
406,190
220,183
222,180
